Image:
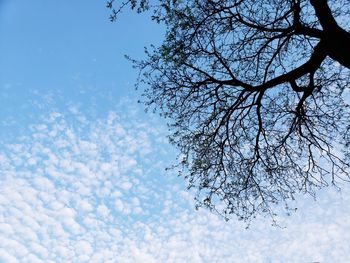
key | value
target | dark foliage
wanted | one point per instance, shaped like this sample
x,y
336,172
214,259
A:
x,y
254,93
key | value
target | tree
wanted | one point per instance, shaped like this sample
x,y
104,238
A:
x,y
254,94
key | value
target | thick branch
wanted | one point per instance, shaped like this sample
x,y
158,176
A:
x,y
312,64
336,39
324,14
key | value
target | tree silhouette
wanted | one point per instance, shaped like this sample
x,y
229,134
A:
x,y
254,94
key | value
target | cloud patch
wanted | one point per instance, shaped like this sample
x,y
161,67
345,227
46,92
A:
x,y
76,190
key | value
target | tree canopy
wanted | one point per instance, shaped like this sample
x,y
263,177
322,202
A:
x,y
254,92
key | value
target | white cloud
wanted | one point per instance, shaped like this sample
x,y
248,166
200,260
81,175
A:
x,y
83,248
97,192
6,257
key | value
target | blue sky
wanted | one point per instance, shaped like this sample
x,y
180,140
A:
x,y
82,167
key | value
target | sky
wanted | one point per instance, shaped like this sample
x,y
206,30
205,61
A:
x,y
82,166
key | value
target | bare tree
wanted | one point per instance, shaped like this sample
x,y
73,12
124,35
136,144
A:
x,y
254,94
